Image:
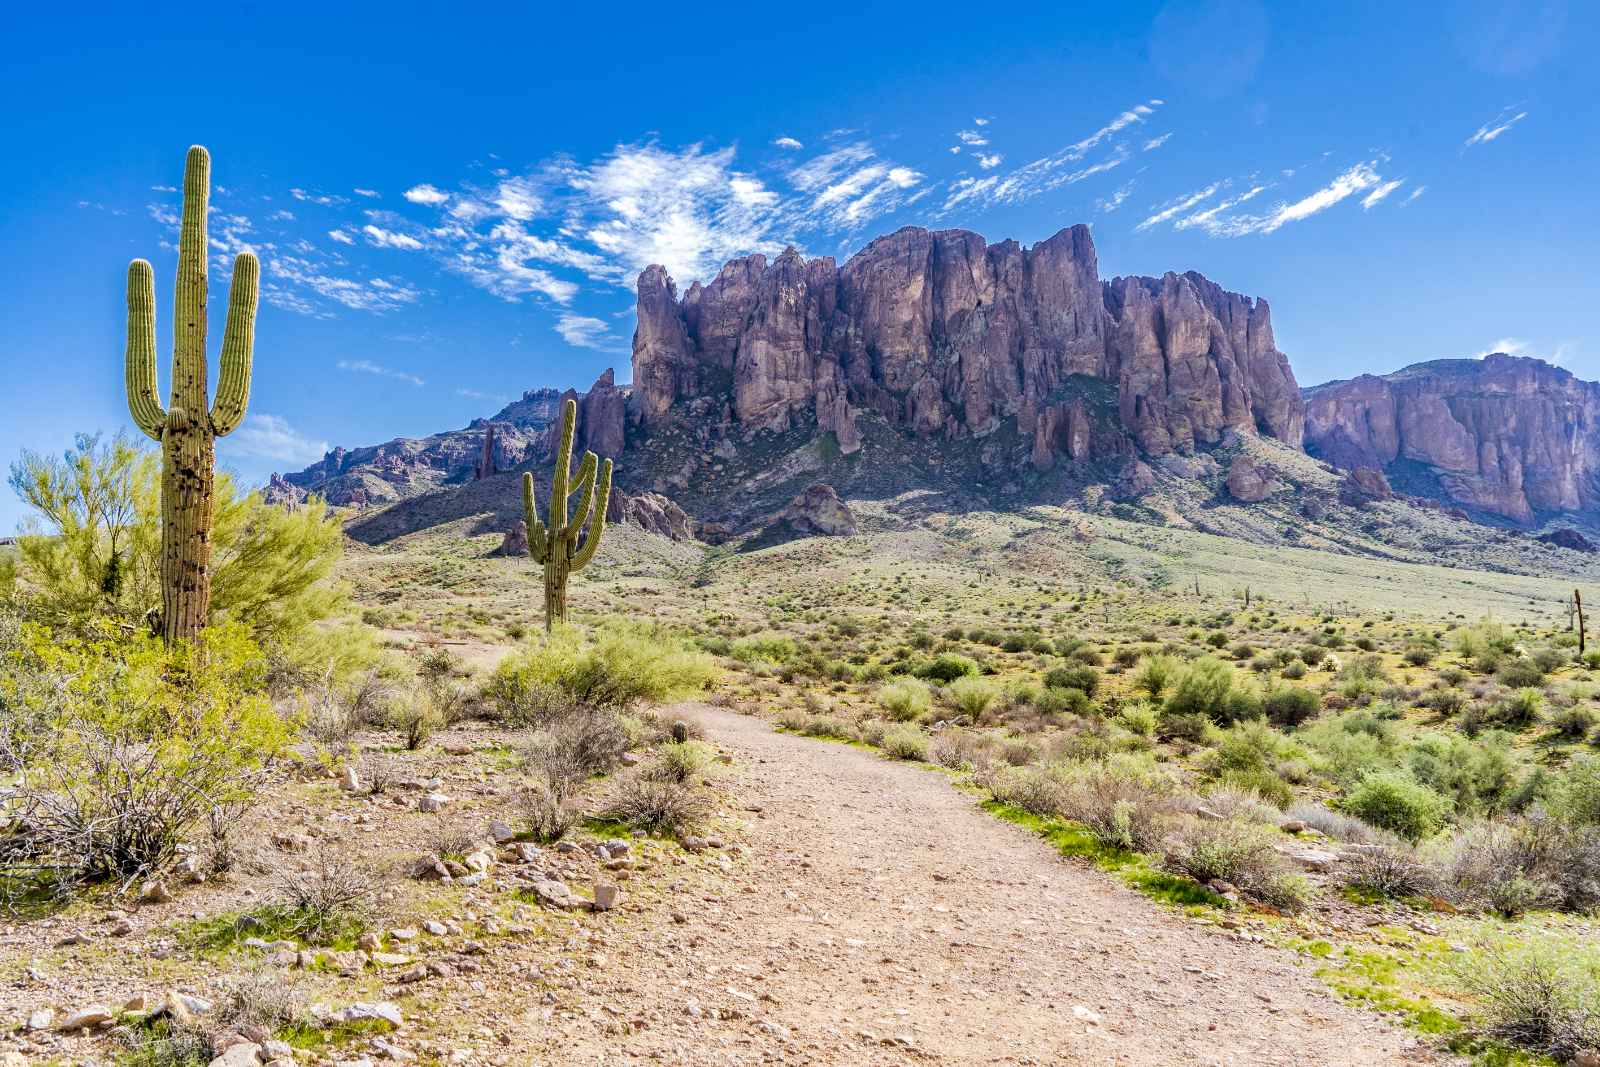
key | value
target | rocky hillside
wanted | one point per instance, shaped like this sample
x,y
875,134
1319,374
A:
x,y
939,333
1505,435
997,376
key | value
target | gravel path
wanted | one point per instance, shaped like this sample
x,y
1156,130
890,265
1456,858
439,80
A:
x,y
880,918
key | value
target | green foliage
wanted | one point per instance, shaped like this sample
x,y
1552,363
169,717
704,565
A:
x,y
93,547
971,695
613,667
1154,674
1573,796
1396,802
945,668
122,746
1083,678
907,742
905,699
1290,706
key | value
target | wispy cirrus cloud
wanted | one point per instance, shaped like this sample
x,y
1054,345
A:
x,y
585,331
367,366
1222,220
1380,194
272,437
1495,127
789,143
1177,207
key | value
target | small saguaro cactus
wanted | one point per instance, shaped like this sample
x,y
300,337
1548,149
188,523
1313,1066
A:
x,y
555,544
189,426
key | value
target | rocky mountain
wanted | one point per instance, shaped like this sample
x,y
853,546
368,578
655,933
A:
x,y
995,375
1505,435
939,333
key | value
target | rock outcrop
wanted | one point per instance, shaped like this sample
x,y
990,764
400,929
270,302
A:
x,y
652,511
941,333
1507,435
818,510
1248,481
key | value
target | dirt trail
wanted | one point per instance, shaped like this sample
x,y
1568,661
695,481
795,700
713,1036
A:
x,y
882,919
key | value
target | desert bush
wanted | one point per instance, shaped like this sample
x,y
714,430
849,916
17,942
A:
x,y
1294,671
906,742
1202,687
905,699
1339,826
946,668
332,898
129,746
1034,789
1535,996
658,806
970,696
1573,723
567,753
1397,802
1237,853
1573,796
1083,678
1154,674
956,748
1290,706
615,667
1122,806
1477,775
1391,870
1139,721
549,816
680,761
1519,674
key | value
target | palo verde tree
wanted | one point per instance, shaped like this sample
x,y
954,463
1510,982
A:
x,y
189,426
555,544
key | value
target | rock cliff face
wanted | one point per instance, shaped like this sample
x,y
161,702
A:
x,y
941,333
1508,435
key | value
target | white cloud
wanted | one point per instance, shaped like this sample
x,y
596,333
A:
x,y
367,366
1111,203
474,394
972,137
271,437
980,122
1511,346
426,194
370,194
1179,206
517,199
342,237
990,162
1381,193
583,331
1492,129
1418,191
789,143
375,294
321,199
1211,219
383,238
1156,142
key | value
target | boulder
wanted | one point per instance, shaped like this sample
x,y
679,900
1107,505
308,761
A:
x,y
1247,481
819,510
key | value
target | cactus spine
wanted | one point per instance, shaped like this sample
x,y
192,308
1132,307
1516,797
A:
x,y
556,544
189,427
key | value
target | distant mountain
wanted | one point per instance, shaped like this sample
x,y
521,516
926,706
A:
x,y
997,375
1505,435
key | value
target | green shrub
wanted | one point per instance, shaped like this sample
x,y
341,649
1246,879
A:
x,y
1519,674
1202,687
1396,802
971,696
906,742
615,667
1574,794
905,699
1083,678
1240,854
946,668
1154,674
118,748
1290,706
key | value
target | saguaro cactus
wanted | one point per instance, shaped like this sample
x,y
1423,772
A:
x,y
555,544
189,427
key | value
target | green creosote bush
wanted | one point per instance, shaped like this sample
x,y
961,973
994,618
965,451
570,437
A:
x,y
1396,802
613,667
906,742
905,699
946,668
971,696
1083,678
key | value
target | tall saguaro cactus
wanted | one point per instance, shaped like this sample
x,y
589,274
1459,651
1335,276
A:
x,y
189,426
555,544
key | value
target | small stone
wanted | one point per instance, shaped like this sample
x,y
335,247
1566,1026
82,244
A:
x,y
40,1019
122,928
1086,1014
432,803
155,891
436,928
1293,826
500,833
370,941
350,781
528,852
605,896
404,933
478,861
244,1054
141,1002
361,1011
83,1018
553,894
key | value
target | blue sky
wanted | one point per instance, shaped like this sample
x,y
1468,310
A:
x,y
451,205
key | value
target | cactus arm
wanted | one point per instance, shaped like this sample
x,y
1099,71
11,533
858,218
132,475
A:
x,y
537,541
559,481
146,410
585,490
238,346
597,522
189,324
